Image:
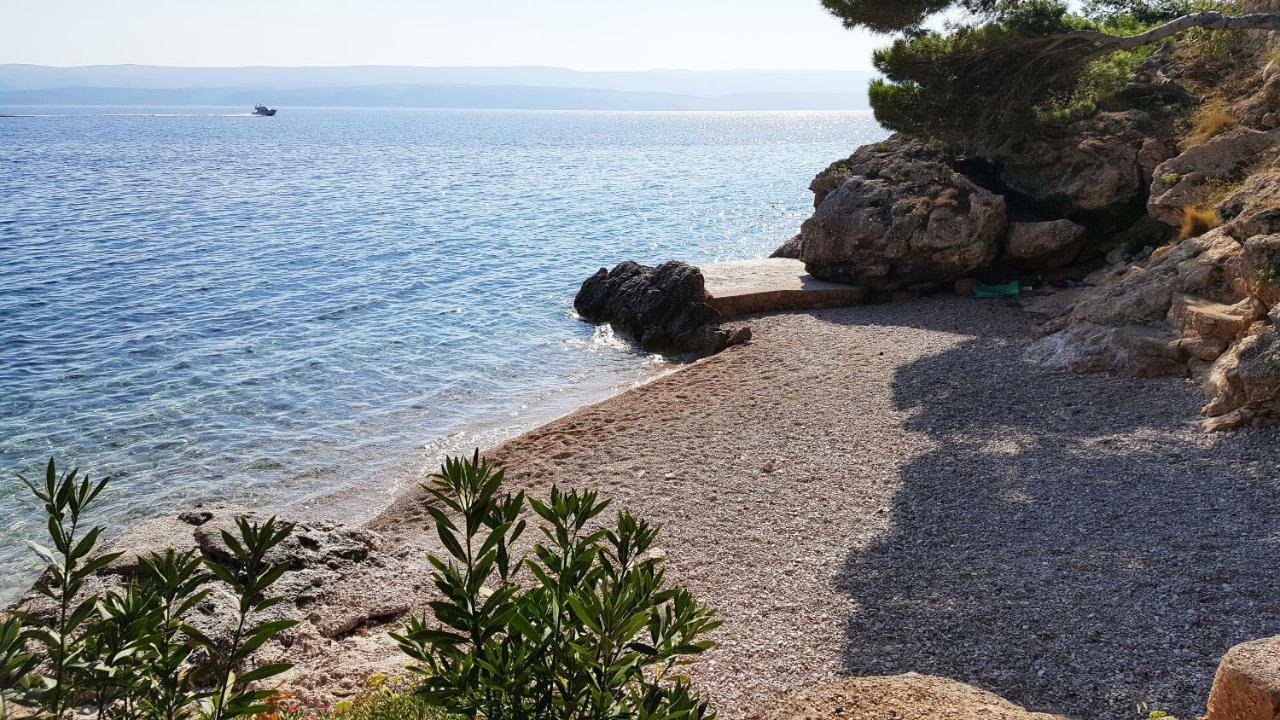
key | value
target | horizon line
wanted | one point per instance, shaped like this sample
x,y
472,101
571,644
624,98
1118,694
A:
x,y
428,67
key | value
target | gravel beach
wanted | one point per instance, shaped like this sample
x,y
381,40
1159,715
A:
x,y
889,488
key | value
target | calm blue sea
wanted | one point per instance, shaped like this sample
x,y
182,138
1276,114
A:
x,y
205,304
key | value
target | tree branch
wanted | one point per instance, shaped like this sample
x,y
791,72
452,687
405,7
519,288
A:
x,y
1210,20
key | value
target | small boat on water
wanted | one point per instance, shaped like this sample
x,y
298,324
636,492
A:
x,y
263,110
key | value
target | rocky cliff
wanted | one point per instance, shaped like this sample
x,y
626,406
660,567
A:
x,y
1164,210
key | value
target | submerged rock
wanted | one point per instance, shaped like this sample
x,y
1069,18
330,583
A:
x,y
664,308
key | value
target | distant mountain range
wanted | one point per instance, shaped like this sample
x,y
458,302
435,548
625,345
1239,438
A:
x,y
443,87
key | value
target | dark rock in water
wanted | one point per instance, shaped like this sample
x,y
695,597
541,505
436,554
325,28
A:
x,y
790,249
664,308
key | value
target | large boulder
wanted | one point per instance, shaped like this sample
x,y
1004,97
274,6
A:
x,y
1247,685
897,213
900,697
1252,207
1095,166
1198,173
1260,268
789,249
664,308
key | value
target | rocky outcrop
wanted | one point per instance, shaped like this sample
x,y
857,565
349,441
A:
x,y
897,213
902,697
1198,306
1243,385
1150,319
664,308
1247,685
1099,165
1193,177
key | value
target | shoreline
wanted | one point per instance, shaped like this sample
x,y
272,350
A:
x,y
889,488
875,490
362,502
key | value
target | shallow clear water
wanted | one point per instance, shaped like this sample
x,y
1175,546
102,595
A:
x,y
205,304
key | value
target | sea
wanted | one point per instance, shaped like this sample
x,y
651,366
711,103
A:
x,y
206,305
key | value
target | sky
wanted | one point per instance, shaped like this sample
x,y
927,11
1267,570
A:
x,y
577,34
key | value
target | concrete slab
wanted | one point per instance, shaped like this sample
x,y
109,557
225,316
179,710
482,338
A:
x,y
751,286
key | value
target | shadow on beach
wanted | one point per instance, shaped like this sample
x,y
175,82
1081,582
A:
x,y
1072,542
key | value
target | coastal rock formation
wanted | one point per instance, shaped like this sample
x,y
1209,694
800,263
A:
x,y
1247,685
1132,350
902,697
664,308
1097,165
1150,319
897,213
1193,177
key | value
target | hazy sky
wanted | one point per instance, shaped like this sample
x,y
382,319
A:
x,y
579,34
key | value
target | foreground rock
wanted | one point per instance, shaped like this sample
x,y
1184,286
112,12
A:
x,y
896,214
665,309
901,697
1247,686
341,581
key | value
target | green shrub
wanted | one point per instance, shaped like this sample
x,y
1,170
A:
x,y
127,653
586,627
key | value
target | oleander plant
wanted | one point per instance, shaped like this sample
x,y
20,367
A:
x,y
583,628
129,652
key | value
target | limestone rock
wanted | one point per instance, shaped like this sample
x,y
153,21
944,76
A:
x,y
1134,350
1190,178
1260,268
664,308
896,214
1099,164
900,697
339,577
1204,266
1051,244
1243,385
1252,208
1192,316
1247,685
